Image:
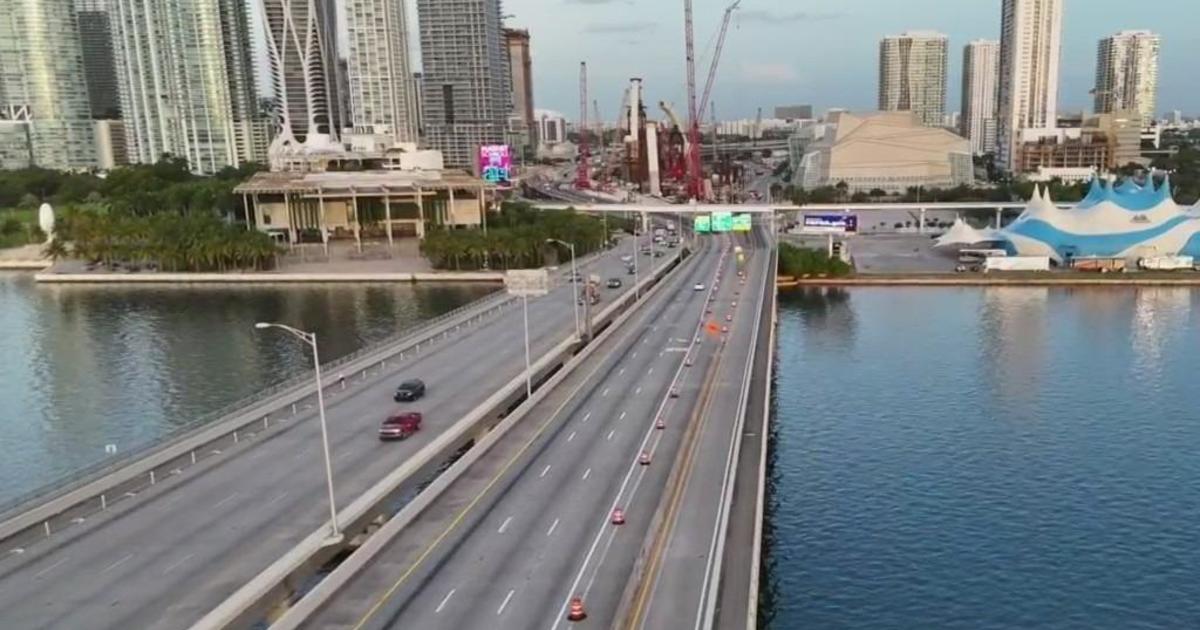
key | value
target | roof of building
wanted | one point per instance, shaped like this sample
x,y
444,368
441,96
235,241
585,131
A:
x,y
895,143
277,182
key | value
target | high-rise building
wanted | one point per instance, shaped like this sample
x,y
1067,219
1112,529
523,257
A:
x,y
912,75
520,65
302,46
1127,74
981,72
187,91
99,66
44,109
381,99
466,95
1030,46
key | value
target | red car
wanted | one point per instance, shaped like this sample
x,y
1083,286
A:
x,y
399,426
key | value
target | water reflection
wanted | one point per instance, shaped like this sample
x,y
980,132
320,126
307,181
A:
x,y
825,309
85,366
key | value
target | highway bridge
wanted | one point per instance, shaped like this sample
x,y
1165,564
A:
x,y
497,514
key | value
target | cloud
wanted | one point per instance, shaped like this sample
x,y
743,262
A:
x,y
768,73
619,27
791,17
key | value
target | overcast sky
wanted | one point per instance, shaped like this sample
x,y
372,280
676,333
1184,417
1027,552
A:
x,y
823,52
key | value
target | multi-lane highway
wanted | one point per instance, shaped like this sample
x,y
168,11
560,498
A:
x,y
165,558
508,548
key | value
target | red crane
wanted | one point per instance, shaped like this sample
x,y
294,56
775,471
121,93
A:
x,y
582,176
695,178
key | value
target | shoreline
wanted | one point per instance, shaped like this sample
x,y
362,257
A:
x,y
1164,279
24,265
264,277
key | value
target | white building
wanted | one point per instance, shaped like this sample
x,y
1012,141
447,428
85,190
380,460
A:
x,y
187,87
551,127
912,74
981,73
1030,48
382,101
1127,74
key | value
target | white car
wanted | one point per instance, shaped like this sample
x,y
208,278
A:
x,y
699,286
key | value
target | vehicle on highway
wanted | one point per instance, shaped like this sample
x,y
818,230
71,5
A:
x,y
659,253
400,426
629,271
614,283
729,318
409,390
627,258
699,286
618,517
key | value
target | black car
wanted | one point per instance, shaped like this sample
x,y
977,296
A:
x,y
409,390
614,283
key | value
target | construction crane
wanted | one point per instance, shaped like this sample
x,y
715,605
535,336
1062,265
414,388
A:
x,y
603,141
695,183
582,179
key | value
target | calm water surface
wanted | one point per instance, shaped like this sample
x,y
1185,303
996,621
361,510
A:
x,y
986,458
86,366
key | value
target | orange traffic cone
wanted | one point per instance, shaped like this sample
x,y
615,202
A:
x,y
576,613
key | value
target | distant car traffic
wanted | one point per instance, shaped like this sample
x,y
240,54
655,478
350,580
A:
x,y
614,283
699,286
409,390
400,426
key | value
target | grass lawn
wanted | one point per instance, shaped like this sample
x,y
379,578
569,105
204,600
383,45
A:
x,y
28,218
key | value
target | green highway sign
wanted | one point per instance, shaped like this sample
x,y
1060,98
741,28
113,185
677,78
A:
x,y
741,223
703,223
722,221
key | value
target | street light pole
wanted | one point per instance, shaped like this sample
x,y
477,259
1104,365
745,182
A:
x,y
335,535
636,252
528,369
574,281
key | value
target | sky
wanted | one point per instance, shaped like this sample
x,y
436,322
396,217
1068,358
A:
x,y
821,52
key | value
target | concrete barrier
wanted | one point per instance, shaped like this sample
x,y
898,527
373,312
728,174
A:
x,y
245,606
327,588
101,490
760,497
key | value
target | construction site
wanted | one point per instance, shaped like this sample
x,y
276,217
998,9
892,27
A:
x,y
650,151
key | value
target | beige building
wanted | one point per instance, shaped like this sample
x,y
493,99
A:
x,y
1030,48
1104,143
891,151
912,75
1127,74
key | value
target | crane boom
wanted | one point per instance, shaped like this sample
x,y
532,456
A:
x,y
712,68
695,185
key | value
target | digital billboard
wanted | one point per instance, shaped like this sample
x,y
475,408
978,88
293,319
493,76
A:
x,y
495,164
831,223
722,221
742,223
703,223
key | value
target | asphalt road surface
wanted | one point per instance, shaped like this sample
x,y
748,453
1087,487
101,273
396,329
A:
x,y
165,558
511,555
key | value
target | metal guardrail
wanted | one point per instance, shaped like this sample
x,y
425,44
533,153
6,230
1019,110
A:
x,y
85,475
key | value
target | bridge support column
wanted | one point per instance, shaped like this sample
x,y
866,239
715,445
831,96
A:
x,y
999,214
921,222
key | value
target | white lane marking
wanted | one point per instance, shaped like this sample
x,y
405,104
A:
x,y
587,473
50,568
278,498
444,600
175,565
610,434
504,525
571,437
622,417
545,470
605,393
634,355
651,371
343,455
503,604
225,500
553,526
116,564
589,415
637,391
622,371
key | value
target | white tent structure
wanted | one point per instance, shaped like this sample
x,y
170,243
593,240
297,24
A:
x,y
962,234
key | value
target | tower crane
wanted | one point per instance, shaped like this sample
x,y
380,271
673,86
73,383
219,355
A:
x,y
582,179
695,187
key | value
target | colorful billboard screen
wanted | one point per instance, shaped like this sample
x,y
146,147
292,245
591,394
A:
x,y
831,223
703,223
495,164
742,223
722,221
